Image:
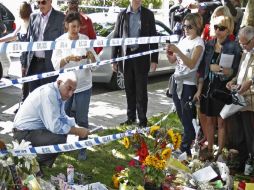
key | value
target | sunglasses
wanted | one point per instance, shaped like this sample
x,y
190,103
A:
x,y
221,28
44,2
187,27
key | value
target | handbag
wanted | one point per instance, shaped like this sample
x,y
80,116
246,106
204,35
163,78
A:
x,y
222,96
231,109
170,86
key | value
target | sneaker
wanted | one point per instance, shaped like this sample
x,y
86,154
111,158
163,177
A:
x,y
82,155
128,122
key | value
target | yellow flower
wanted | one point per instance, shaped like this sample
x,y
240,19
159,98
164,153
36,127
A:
x,y
166,153
153,129
172,135
178,141
126,142
115,179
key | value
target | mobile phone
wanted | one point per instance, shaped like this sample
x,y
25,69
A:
x,y
168,41
83,56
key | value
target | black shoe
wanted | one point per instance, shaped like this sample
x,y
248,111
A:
x,y
142,125
128,122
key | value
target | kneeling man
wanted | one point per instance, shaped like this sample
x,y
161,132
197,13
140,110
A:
x,y
42,119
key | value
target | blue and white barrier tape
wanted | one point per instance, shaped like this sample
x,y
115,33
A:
x,y
71,44
72,146
55,73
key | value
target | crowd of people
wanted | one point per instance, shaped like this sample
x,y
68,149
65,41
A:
x,y
214,61
213,55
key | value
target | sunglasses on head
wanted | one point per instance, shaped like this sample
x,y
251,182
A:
x,y
44,2
221,28
187,27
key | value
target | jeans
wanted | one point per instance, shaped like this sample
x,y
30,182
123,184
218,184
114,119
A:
x,y
185,114
80,102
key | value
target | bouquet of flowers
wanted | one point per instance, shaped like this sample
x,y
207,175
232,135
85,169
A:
x,y
153,150
14,169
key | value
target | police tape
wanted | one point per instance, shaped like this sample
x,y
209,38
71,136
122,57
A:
x,y
83,66
72,146
79,44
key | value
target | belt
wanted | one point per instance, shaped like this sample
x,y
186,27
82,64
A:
x,y
39,59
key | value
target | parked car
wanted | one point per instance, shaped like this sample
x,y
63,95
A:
x,y
104,25
7,25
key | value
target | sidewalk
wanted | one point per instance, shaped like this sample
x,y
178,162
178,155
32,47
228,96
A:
x,y
107,109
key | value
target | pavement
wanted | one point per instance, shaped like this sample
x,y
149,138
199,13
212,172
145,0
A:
x,y
107,108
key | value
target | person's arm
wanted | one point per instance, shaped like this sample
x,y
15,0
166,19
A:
x,y
189,62
199,89
11,37
54,119
154,56
246,85
116,34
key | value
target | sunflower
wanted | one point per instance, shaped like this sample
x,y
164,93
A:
x,y
126,142
166,153
172,135
178,141
153,129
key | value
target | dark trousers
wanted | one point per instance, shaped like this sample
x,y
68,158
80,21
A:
x,y
41,137
37,67
136,91
186,114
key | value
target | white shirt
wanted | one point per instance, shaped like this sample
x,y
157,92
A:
x,y
187,47
84,76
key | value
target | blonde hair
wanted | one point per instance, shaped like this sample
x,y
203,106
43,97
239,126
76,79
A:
x,y
223,21
196,21
219,11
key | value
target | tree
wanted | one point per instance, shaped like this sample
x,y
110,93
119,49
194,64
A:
x,y
121,3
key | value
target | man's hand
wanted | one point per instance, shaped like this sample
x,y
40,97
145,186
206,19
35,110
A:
x,y
80,131
245,86
23,71
230,85
153,66
115,67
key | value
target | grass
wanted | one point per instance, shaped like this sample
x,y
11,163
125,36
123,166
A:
x,y
103,159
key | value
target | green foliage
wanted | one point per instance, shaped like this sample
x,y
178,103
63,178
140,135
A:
x,y
101,162
123,3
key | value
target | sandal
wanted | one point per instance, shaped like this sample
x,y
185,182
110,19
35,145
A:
x,y
206,154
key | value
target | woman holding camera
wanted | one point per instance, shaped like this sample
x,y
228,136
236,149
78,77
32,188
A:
x,y
220,61
65,58
187,54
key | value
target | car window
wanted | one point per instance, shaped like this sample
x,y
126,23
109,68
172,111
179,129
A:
x,y
103,29
161,31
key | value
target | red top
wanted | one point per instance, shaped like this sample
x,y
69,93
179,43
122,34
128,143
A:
x,y
86,28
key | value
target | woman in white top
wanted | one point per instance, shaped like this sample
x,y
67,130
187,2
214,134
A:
x,y
64,58
188,54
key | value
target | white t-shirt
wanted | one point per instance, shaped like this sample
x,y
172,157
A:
x,y
84,76
187,47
